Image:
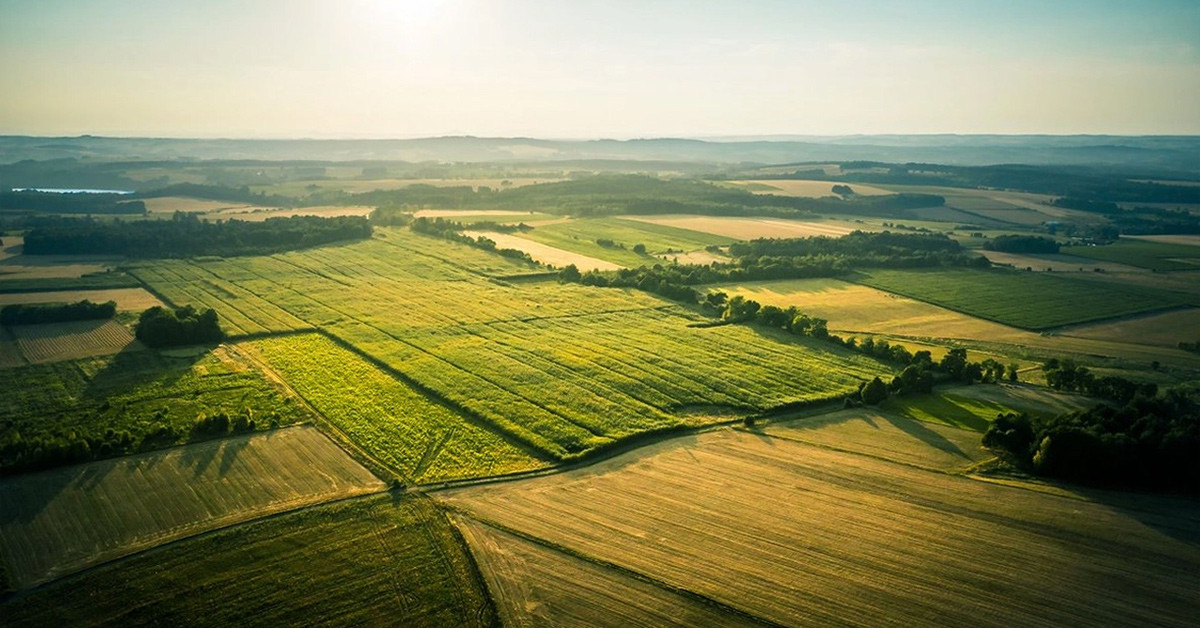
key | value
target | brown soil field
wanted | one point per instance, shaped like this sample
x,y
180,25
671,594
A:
x,y
809,188
855,308
54,342
57,522
544,253
1164,330
15,265
533,585
128,299
807,536
750,228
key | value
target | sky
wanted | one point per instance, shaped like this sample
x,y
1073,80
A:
x,y
589,69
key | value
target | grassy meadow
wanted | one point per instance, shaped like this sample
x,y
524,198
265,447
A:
x,y
1160,256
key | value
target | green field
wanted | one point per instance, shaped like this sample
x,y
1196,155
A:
x,y
1026,300
559,368
60,521
1141,253
376,561
137,393
580,235
414,436
975,407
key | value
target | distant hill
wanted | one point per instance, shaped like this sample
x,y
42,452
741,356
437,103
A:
x,y
1157,154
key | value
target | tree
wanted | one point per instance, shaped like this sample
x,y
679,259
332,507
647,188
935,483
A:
x,y
1012,372
639,248
874,392
569,273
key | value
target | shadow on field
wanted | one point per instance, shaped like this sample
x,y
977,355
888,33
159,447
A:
x,y
917,430
135,367
23,497
224,452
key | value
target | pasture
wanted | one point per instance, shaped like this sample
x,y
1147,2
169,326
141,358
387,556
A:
x,y
802,535
416,437
61,521
1161,256
54,342
1167,329
1025,300
372,561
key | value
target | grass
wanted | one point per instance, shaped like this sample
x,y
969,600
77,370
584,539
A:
x,y
96,281
1025,300
374,561
1142,253
581,235
418,438
975,407
61,521
135,392
803,535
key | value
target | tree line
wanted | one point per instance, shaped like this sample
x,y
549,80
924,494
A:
x,y
33,314
1149,442
792,258
452,230
70,203
1022,244
186,235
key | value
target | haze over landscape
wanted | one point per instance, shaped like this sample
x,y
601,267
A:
x,y
525,313
621,69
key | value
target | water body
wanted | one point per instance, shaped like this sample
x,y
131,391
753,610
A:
x,y
72,191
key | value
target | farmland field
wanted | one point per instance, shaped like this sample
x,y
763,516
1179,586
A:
x,y
127,298
1057,263
1166,330
54,342
751,228
533,585
581,235
1142,253
1026,300
545,253
416,437
559,368
801,187
60,521
136,392
372,561
802,535
974,407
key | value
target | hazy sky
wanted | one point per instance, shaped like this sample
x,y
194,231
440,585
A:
x,y
582,69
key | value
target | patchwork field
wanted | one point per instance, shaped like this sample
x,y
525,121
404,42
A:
x,y
544,253
802,535
1025,300
263,213
1057,263
1142,253
416,437
172,204
974,407
798,187
134,394
1165,330
533,585
582,236
58,522
374,561
1186,240
128,299
54,342
751,228
559,368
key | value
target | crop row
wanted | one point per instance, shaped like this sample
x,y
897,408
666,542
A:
x,y
418,438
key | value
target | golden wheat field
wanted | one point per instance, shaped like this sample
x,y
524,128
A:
x,y
801,535
545,253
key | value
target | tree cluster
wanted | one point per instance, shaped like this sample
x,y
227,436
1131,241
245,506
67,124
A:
x,y
186,235
452,230
1068,376
1194,346
31,314
161,327
1148,442
1021,244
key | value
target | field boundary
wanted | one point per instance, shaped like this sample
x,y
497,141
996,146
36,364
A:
x,y
604,564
